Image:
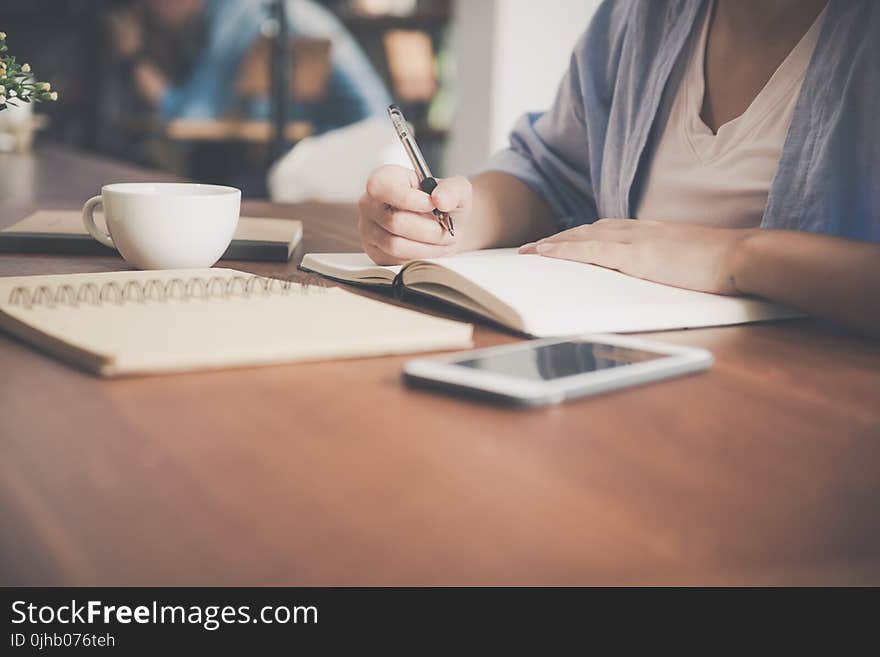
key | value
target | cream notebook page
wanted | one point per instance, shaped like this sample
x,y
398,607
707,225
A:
x,y
549,297
283,324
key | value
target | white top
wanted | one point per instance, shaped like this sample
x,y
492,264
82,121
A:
x,y
723,179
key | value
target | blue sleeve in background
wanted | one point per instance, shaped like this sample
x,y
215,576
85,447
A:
x,y
209,93
354,90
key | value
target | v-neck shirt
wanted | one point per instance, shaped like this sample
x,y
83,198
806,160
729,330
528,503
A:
x,y
723,179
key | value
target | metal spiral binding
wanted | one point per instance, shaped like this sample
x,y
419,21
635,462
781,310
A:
x,y
161,291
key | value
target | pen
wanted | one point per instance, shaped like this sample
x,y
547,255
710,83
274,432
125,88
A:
x,y
427,182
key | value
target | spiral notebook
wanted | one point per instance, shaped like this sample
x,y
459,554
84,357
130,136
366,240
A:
x,y
135,322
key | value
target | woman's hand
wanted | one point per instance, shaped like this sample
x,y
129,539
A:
x,y
683,255
396,221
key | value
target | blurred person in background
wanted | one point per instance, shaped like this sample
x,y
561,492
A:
x,y
183,57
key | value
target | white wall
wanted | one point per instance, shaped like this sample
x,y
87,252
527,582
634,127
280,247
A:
x,y
510,56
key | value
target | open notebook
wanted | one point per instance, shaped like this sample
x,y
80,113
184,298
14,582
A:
x,y
547,297
138,322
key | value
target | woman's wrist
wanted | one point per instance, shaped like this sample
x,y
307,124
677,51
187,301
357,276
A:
x,y
505,212
741,265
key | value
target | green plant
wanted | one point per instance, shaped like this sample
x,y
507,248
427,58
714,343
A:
x,y
17,83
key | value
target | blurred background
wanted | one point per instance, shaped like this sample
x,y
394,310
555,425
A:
x,y
286,98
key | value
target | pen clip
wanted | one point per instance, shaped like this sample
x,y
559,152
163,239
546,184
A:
x,y
412,149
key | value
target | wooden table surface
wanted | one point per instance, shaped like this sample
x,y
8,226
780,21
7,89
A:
x,y
764,470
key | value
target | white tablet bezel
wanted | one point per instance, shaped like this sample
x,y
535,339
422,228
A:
x,y
444,370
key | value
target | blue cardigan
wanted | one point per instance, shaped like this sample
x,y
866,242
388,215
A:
x,y
588,155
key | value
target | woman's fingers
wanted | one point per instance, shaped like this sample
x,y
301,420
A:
x,y
412,226
616,230
409,225
612,255
623,231
396,218
399,188
421,236
452,194
393,249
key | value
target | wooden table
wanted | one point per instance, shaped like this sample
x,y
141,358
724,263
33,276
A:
x,y
765,470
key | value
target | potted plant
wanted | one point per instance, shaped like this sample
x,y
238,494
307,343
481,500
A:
x,y
18,91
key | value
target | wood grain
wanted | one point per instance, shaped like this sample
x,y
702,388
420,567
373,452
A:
x,y
764,470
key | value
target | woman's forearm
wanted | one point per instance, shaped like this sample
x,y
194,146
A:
x,y
828,277
505,212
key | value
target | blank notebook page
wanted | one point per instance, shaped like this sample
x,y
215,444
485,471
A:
x,y
559,297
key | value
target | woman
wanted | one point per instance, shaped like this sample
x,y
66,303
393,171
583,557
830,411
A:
x,y
728,146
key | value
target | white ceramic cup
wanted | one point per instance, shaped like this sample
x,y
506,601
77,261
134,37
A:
x,y
166,225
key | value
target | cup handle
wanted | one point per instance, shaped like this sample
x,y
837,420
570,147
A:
x,y
89,221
